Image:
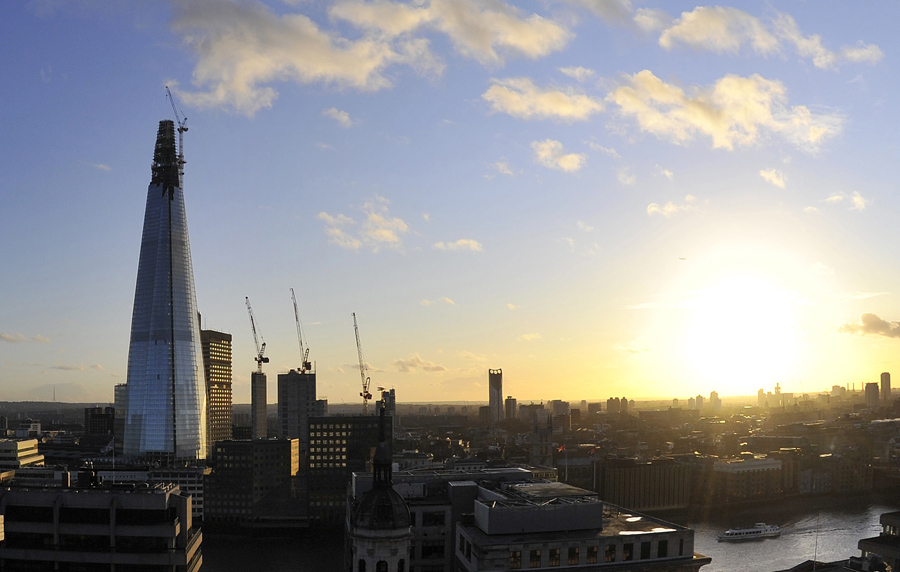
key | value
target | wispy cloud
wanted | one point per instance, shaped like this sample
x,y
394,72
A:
x,y
671,208
19,338
461,244
378,229
872,325
822,268
415,363
773,177
511,306
863,295
520,97
630,349
608,150
342,117
859,202
734,111
625,176
441,300
581,225
579,73
70,367
529,337
502,167
549,153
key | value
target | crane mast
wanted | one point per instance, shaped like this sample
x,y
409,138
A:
x,y
260,349
181,120
363,369
304,354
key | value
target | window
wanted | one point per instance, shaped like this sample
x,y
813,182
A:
x,y
361,567
468,550
432,519
645,550
534,560
515,559
628,551
591,554
381,566
433,549
462,542
401,566
662,549
681,547
609,553
573,556
412,518
554,557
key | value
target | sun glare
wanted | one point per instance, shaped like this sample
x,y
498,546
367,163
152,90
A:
x,y
742,335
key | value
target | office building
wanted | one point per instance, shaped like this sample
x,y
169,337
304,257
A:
x,y
166,414
655,484
258,405
94,526
296,405
886,388
217,372
495,383
120,397
871,393
18,453
99,420
886,544
511,408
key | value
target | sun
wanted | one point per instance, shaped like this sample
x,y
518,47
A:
x,y
742,335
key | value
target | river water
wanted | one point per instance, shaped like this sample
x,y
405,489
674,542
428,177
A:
x,y
825,528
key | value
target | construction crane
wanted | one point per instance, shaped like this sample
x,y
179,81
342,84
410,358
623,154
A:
x,y
304,354
363,370
260,349
182,127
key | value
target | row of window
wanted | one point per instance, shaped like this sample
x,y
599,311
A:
x,y
592,553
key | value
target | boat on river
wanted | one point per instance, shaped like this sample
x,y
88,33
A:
x,y
759,530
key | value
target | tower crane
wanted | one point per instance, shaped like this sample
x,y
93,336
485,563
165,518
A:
x,y
260,349
181,120
304,354
363,370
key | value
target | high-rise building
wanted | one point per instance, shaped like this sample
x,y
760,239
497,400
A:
x,y
495,381
120,397
99,420
166,414
296,404
871,395
258,415
886,388
511,407
217,369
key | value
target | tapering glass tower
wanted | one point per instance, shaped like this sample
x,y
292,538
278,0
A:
x,y
166,416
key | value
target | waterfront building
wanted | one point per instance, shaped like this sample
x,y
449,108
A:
x,y
495,385
93,526
166,414
216,347
657,484
747,477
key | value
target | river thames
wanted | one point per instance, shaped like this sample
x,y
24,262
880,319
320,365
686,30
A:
x,y
827,528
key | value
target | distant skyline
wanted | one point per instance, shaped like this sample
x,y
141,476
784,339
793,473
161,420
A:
x,y
600,197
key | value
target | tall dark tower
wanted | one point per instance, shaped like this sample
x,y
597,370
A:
x,y
886,388
495,384
166,413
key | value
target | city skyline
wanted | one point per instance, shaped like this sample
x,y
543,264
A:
x,y
601,198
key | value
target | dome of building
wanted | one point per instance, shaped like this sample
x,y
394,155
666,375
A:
x,y
382,508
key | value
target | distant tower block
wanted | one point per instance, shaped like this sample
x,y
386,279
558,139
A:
x,y
886,388
871,393
258,414
495,382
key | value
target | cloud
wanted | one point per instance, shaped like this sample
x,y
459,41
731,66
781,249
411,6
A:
x,y
863,295
610,10
415,363
520,97
652,19
735,111
719,29
773,177
821,268
511,306
19,338
630,349
426,217
870,324
529,337
100,166
608,150
625,176
835,198
378,230
822,57
342,117
472,356
862,53
859,202
442,300
811,210
578,73
581,225
503,168
671,209
70,367
665,173
461,244
549,153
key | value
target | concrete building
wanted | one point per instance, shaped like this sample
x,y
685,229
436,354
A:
x,y
746,478
296,405
495,385
166,413
216,347
511,408
258,412
657,484
559,527
886,388
99,528
871,393
244,474
17,453
99,420
886,544
190,480
120,398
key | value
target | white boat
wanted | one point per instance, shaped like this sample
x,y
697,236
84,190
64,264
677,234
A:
x,y
759,530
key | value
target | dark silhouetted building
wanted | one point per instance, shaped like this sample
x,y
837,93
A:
x,y
495,384
217,369
99,420
886,388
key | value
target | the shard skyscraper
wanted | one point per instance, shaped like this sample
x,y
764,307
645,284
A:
x,y
166,415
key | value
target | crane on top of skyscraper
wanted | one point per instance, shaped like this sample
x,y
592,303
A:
x,y
260,349
181,120
363,370
304,354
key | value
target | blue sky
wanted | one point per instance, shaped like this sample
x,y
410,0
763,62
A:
x,y
600,197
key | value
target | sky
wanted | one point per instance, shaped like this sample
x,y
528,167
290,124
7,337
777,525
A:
x,y
601,197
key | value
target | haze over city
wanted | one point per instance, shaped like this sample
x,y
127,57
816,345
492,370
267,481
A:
x,y
651,199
